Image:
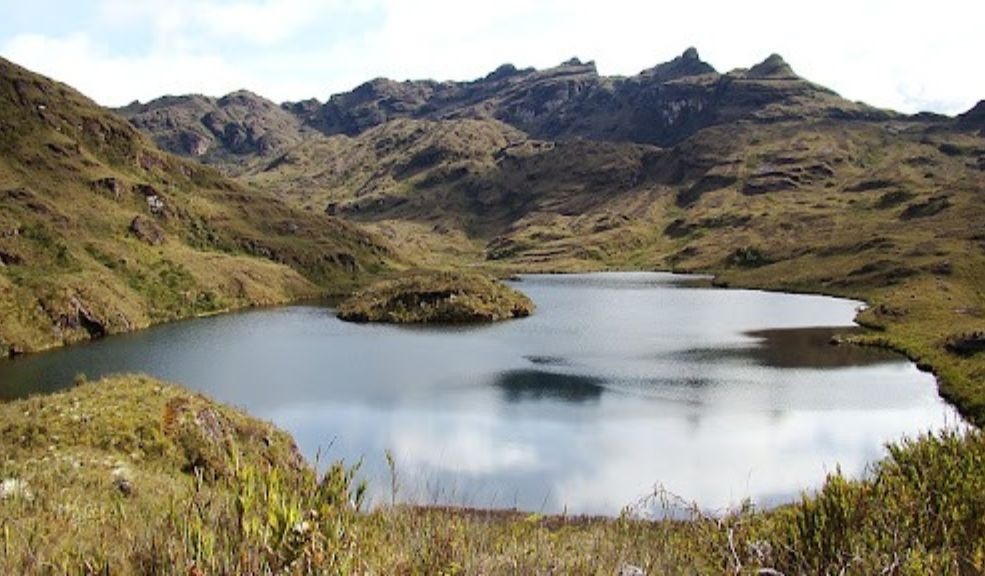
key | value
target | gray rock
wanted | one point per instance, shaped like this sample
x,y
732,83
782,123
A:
x,y
147,231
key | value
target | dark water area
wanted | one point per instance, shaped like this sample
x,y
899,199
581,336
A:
x,y
620,384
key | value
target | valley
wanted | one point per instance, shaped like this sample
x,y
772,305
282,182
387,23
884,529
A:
x,y
112,221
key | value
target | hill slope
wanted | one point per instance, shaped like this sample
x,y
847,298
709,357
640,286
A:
x,y
100,232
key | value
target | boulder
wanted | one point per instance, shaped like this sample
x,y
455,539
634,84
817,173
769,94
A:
x,y
147,231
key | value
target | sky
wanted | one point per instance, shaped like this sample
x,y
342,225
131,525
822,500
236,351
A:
x,y
904,55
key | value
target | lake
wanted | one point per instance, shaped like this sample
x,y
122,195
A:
x,y
621,384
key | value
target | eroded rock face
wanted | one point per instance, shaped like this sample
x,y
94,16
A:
x,y
973,119
240,124
967,344
662,105
147,231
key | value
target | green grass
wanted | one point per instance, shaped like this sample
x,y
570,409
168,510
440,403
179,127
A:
x,y
73,177
134,476
131,475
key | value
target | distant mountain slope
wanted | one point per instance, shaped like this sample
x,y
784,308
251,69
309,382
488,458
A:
x,y
101,232
229,132
662,106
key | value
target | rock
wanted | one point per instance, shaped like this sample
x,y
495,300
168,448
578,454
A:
x,y
10,258
15,488
123,480
931,207
773,67
967,344
109,186
147,231
973,119
630,570
687,64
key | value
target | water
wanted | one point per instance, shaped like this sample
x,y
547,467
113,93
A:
x,y
619,384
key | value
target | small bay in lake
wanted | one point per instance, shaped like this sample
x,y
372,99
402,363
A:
x,y
620,383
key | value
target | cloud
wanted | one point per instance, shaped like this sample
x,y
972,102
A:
x,y
890,54
116,80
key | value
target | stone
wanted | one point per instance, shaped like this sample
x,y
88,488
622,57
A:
x,y
147,231
15,488
123,480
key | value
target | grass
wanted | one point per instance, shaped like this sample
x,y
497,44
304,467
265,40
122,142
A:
x,y
74,177
436,297
134,476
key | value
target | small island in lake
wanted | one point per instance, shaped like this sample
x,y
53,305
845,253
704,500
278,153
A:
x,y
436,298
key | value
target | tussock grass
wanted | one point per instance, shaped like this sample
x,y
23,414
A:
x,y
436,297
134,476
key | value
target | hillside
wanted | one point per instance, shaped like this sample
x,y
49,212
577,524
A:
x,y
101,232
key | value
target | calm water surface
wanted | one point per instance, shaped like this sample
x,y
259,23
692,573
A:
x,y
620,383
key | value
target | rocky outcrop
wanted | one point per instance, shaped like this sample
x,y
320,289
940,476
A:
x,y
974,119
662,105
147,231
228,131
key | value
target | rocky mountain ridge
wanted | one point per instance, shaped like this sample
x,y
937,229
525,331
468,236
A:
x,y
663,105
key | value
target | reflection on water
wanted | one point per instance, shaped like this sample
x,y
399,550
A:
x,y
619,383
528,385
796,348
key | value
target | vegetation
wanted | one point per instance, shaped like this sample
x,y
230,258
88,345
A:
x,y
436,298
131,475
101,233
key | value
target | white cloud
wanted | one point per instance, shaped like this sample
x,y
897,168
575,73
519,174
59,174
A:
x,y
116,80
893,54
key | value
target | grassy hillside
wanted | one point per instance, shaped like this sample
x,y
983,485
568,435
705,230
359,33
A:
x,y
100,232
131,475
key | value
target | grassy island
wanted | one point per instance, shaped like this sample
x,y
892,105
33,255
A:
x,y
436,298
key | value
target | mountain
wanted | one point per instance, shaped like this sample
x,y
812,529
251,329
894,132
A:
x,y
101,232
661,106
973,119
230,131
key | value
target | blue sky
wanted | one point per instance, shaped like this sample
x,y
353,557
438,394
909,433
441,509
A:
x,y
904,55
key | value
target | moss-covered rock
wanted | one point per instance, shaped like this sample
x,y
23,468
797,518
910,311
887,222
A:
x,y
436,297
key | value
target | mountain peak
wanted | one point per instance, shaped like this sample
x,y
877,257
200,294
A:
x,y
973,119
773,67
687,64
506,71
